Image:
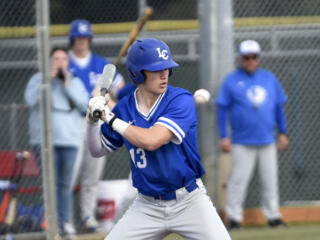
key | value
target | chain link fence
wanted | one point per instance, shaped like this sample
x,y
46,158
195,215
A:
x,y
289,34
18,62
288,31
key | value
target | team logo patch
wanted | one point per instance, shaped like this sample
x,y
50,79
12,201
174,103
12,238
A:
x,y
83,28
240,84
93,78
257,95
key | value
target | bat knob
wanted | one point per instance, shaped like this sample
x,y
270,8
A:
x,y
97,115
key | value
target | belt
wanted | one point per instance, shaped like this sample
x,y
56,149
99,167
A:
x,y
173,195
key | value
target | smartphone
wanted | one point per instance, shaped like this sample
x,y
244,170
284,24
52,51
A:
x,y
60,74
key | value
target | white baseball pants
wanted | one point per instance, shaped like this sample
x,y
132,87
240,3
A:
x,y
192,215
243,161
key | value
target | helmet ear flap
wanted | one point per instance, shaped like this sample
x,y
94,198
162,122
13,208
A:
x,y
132,75
136,76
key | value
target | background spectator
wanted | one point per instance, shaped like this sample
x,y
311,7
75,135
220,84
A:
x,y
69,101
252,100
88,66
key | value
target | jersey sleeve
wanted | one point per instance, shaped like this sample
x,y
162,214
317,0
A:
x,y
281,97
32,94
110,139
179,117
224,96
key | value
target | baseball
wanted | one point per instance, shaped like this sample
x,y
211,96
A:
x,y
25,154
201,96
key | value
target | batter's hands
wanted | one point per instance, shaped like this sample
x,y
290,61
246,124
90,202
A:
x,y
99,104
282,142
95,104
90,118
225,145
107,115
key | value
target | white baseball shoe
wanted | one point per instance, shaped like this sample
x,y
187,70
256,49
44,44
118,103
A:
x,y
68,230
90,224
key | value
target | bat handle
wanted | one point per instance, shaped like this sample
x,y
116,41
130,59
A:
x,y
97,115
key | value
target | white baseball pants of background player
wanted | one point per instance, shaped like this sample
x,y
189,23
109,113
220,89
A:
x,y
88,170
243,162
191,215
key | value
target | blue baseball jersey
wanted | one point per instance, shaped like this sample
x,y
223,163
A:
x,y
173,165
91,73
251,100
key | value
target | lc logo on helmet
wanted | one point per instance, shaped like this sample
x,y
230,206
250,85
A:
x,y
83,28
163,54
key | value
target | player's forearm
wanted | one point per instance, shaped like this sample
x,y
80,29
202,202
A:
x,y
222,121
281,119
146,138
143,137
94,140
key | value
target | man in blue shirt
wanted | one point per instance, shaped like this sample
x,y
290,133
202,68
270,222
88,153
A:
x,y
158,125
252,99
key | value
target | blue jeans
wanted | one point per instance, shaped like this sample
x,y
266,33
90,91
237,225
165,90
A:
x,y
65,158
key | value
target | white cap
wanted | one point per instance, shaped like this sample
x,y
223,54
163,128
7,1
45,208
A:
x,y
249,47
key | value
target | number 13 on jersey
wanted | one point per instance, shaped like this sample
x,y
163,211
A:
x,y
141,161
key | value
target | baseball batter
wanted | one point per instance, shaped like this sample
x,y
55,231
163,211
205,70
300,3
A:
x,y
87,66
254,99
158,125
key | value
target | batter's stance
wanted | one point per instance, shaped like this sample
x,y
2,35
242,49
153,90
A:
x,y
158,125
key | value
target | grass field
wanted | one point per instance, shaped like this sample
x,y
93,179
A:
x,y
293,232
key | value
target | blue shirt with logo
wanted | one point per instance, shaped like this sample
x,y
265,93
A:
x,y
91,73
176,163
251,100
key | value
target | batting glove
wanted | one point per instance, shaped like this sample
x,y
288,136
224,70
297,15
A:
x,y
90,118
108,116
99,103
95,104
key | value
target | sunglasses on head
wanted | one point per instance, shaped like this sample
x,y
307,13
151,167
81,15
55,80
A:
x,y
248,57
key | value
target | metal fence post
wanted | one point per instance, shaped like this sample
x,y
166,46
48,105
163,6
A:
x,y
216,53
45,111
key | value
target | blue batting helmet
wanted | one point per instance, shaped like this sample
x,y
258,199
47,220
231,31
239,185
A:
x,y
148,54
79,28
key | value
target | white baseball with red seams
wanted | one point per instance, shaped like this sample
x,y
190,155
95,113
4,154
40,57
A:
x,y
201,96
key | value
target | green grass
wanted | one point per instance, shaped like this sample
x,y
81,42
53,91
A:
x,y
293,232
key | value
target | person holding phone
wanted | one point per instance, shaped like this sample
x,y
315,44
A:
x,y
69,100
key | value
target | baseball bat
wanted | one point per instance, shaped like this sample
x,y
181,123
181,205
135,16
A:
x,y
6,197
131,37
12,211
134,33
106,79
